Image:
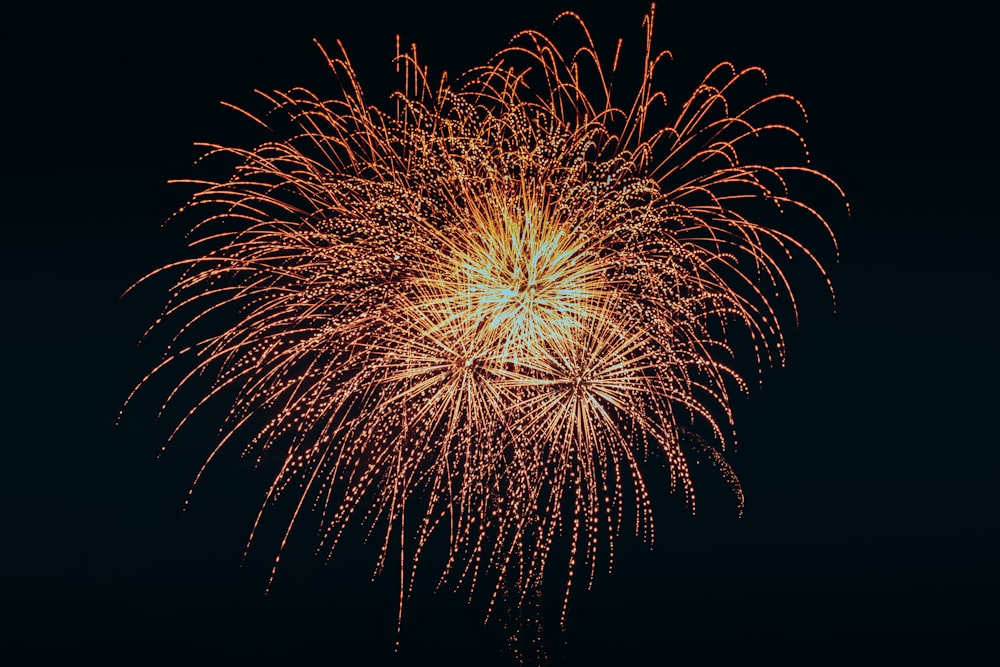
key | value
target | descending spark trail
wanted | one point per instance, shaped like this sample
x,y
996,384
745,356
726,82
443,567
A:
x,y
479,316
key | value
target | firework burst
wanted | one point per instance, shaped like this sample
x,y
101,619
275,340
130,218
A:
x,y
478,316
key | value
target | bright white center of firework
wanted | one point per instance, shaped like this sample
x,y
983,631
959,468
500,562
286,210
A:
x,y
520,275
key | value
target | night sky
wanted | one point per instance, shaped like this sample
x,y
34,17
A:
x,y
869,462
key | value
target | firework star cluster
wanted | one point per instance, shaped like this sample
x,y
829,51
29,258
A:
x,y
496,314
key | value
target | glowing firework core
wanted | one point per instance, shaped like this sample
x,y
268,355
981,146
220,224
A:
x,y
521,275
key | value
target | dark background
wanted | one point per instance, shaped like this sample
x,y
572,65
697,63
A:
x,y
869,463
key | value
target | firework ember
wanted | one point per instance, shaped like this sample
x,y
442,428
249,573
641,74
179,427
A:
x,y
480,315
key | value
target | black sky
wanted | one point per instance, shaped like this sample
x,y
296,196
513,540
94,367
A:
x,y
869,463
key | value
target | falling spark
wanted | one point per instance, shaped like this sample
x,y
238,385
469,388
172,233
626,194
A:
x,y
482,315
